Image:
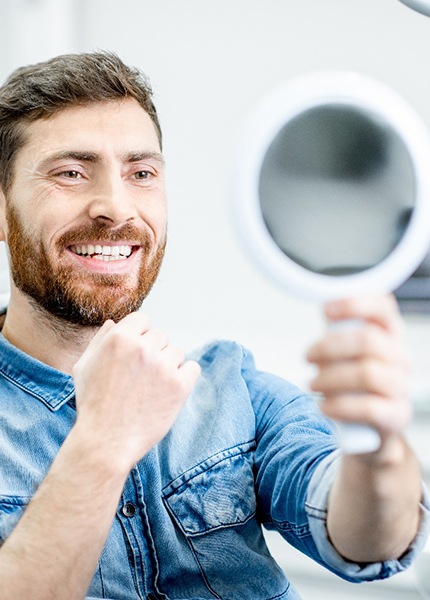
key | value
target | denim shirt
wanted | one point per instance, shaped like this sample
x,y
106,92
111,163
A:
x,y
248,449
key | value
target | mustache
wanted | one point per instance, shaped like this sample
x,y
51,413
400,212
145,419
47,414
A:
x,y
101,231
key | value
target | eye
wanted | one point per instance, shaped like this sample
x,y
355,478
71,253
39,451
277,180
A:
x,y
143,175
71,174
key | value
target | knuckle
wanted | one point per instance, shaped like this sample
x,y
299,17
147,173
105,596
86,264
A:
x,y
117,339
401,387
159,335
369,373
372,412
179,357
371,341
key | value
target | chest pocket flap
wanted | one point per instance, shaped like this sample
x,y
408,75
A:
x,y
217,493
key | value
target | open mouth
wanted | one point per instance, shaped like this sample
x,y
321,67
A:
x,y
100,252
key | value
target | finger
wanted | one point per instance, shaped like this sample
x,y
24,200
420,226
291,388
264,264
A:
x,y
174,355
385,415
364,376
103,330
154,340
97,338
367,341
190,371
134,323
382,310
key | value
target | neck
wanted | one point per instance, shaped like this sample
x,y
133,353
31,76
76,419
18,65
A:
x,y
50,340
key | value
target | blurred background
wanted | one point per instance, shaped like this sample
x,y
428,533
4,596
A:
x,y
210,64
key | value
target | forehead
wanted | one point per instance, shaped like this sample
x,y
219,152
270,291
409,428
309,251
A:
x,y
103,127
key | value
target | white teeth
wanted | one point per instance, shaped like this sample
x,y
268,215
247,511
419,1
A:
x,y
103,252
125,250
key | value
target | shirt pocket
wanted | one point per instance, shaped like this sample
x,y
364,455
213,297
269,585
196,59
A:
x,y
214,506
11,510
218,492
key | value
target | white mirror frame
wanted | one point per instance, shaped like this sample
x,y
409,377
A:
x,y
282,105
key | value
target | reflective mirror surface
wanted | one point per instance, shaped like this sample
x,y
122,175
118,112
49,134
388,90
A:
x,y
337,189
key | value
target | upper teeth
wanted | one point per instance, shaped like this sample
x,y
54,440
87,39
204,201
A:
x,y
100,251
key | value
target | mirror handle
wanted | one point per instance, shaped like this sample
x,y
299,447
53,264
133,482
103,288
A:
x,y
357,438
354,438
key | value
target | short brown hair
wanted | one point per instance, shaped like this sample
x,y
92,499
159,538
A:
x,y
41,90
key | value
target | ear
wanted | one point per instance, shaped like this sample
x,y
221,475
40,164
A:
x,y
3,223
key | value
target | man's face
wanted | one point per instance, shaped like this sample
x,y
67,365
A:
x,y
85,217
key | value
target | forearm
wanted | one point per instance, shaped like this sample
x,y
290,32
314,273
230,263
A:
x,y
373,511
54,549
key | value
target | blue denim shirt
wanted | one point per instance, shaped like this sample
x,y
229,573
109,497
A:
x,y
248,449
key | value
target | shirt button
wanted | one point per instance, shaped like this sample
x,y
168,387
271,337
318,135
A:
x,y
128,510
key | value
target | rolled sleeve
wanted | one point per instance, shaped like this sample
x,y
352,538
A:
x,y
316,508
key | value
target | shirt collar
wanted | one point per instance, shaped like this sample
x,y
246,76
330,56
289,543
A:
x,y
52,387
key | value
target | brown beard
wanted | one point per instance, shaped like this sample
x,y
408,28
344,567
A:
x,y
64,292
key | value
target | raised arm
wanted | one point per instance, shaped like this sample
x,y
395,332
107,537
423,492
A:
x,y
130,386
373,510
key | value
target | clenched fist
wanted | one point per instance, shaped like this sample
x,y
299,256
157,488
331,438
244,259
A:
x,y
131,383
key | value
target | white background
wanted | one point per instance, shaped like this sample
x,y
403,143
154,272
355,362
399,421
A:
x,y
210,63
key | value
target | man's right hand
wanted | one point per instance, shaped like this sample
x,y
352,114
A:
x,y
131,384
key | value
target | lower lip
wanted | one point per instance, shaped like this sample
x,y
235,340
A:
x,y
109,267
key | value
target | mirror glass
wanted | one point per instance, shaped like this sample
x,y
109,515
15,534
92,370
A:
x,y
337,189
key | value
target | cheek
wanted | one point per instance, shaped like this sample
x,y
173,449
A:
x,y
156,218
30,215
162,232
55,222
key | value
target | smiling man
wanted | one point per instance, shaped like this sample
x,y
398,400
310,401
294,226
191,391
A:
x,y
102,152
126,470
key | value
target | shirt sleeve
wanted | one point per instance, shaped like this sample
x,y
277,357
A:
x,y
316,508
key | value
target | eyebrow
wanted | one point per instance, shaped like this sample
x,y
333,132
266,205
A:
x,y
92,157
141,156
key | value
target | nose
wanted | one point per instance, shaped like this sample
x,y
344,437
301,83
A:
x,y
111,201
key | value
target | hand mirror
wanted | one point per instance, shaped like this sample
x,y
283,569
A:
x,y
332,191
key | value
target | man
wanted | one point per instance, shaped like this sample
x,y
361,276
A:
x,y
126,470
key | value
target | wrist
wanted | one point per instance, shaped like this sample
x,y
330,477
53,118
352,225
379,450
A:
x,y
392,453
98,455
